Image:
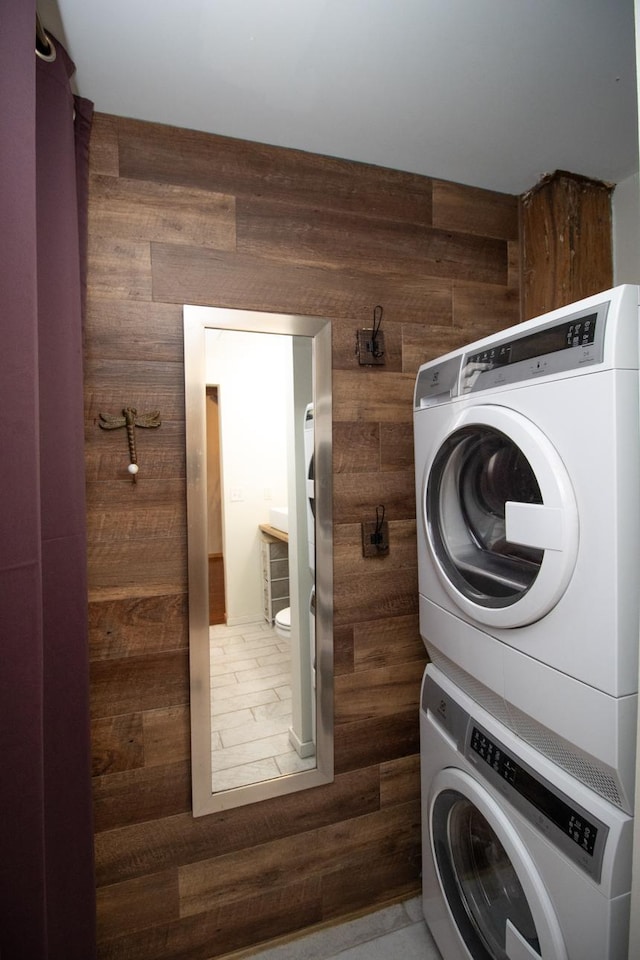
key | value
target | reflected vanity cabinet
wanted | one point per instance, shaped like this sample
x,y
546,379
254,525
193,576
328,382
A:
x,y
275,574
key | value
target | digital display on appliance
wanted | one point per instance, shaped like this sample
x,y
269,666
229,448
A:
x,y
570,821
575,333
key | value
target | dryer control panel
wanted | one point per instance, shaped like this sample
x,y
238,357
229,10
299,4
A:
x,y
574,342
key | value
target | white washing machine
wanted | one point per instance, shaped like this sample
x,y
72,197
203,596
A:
x,y
527,451
519,859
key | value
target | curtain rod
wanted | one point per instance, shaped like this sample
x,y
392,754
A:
x,y
45,48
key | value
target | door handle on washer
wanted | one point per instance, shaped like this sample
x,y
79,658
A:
x,y
534,525
515,945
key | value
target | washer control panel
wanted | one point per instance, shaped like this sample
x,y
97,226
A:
x,y
579,834
579,827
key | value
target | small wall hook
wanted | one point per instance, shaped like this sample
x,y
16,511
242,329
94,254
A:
x,y
370,343
375,536
130,420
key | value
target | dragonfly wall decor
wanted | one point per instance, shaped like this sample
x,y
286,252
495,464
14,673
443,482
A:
x,y
130,419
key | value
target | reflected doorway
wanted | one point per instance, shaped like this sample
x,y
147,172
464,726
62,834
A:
x,y
217,600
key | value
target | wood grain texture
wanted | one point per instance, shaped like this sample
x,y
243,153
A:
x,y
366,742
126,330
472,210
400,781
118,268
222,929
567,249
148,848
183,217
156,567
379,643
236,876
133,684
147,211
146,793
193,275
117,744
370,393
138,625
370,694
138,904
356,496
252,171
287,232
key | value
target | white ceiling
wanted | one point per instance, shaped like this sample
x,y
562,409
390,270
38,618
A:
x,y
493,93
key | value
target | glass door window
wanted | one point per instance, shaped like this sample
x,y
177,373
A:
x,y
480,883
475,473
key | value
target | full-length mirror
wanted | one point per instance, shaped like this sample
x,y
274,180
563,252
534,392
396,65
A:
x,y
258,435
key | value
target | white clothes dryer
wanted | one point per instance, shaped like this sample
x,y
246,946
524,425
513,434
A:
x,y
520,860
527,451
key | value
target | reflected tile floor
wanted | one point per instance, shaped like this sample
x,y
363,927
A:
x,y
393,933
251,705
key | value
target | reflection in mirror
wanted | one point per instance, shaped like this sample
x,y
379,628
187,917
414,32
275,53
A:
x,y
258,433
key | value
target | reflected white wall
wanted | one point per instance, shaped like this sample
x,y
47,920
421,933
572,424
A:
x,y
253,388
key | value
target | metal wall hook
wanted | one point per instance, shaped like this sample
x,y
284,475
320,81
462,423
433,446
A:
x,y
130,420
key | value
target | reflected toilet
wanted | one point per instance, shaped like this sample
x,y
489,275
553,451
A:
x,y
283,623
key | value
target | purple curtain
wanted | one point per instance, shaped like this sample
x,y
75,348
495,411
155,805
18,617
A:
x,y
47,899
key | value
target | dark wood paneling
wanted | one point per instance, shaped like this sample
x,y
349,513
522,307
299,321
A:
x,y
223,929
126,330
138,625
117,744
157,568
138,210
194,275
148,793
356,496
118,268
337,241
120,511
389,875
471,210
566,235
133,684
378,643
400,781
253,171
371,393
356,447
243,874
316,236
396,446
366,742
138,904
149,848
370,694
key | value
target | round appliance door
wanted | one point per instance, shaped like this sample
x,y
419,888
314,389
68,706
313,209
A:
x,y
500,517
497,902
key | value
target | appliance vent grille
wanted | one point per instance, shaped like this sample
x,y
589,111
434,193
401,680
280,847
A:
x,y
487,699
557,749
545,741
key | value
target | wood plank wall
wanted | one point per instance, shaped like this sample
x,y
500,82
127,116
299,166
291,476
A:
x,y
178,217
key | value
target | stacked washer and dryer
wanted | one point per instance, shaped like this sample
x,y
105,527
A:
x,y
527,451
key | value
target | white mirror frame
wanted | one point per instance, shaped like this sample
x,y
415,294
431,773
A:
x,y
196,321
